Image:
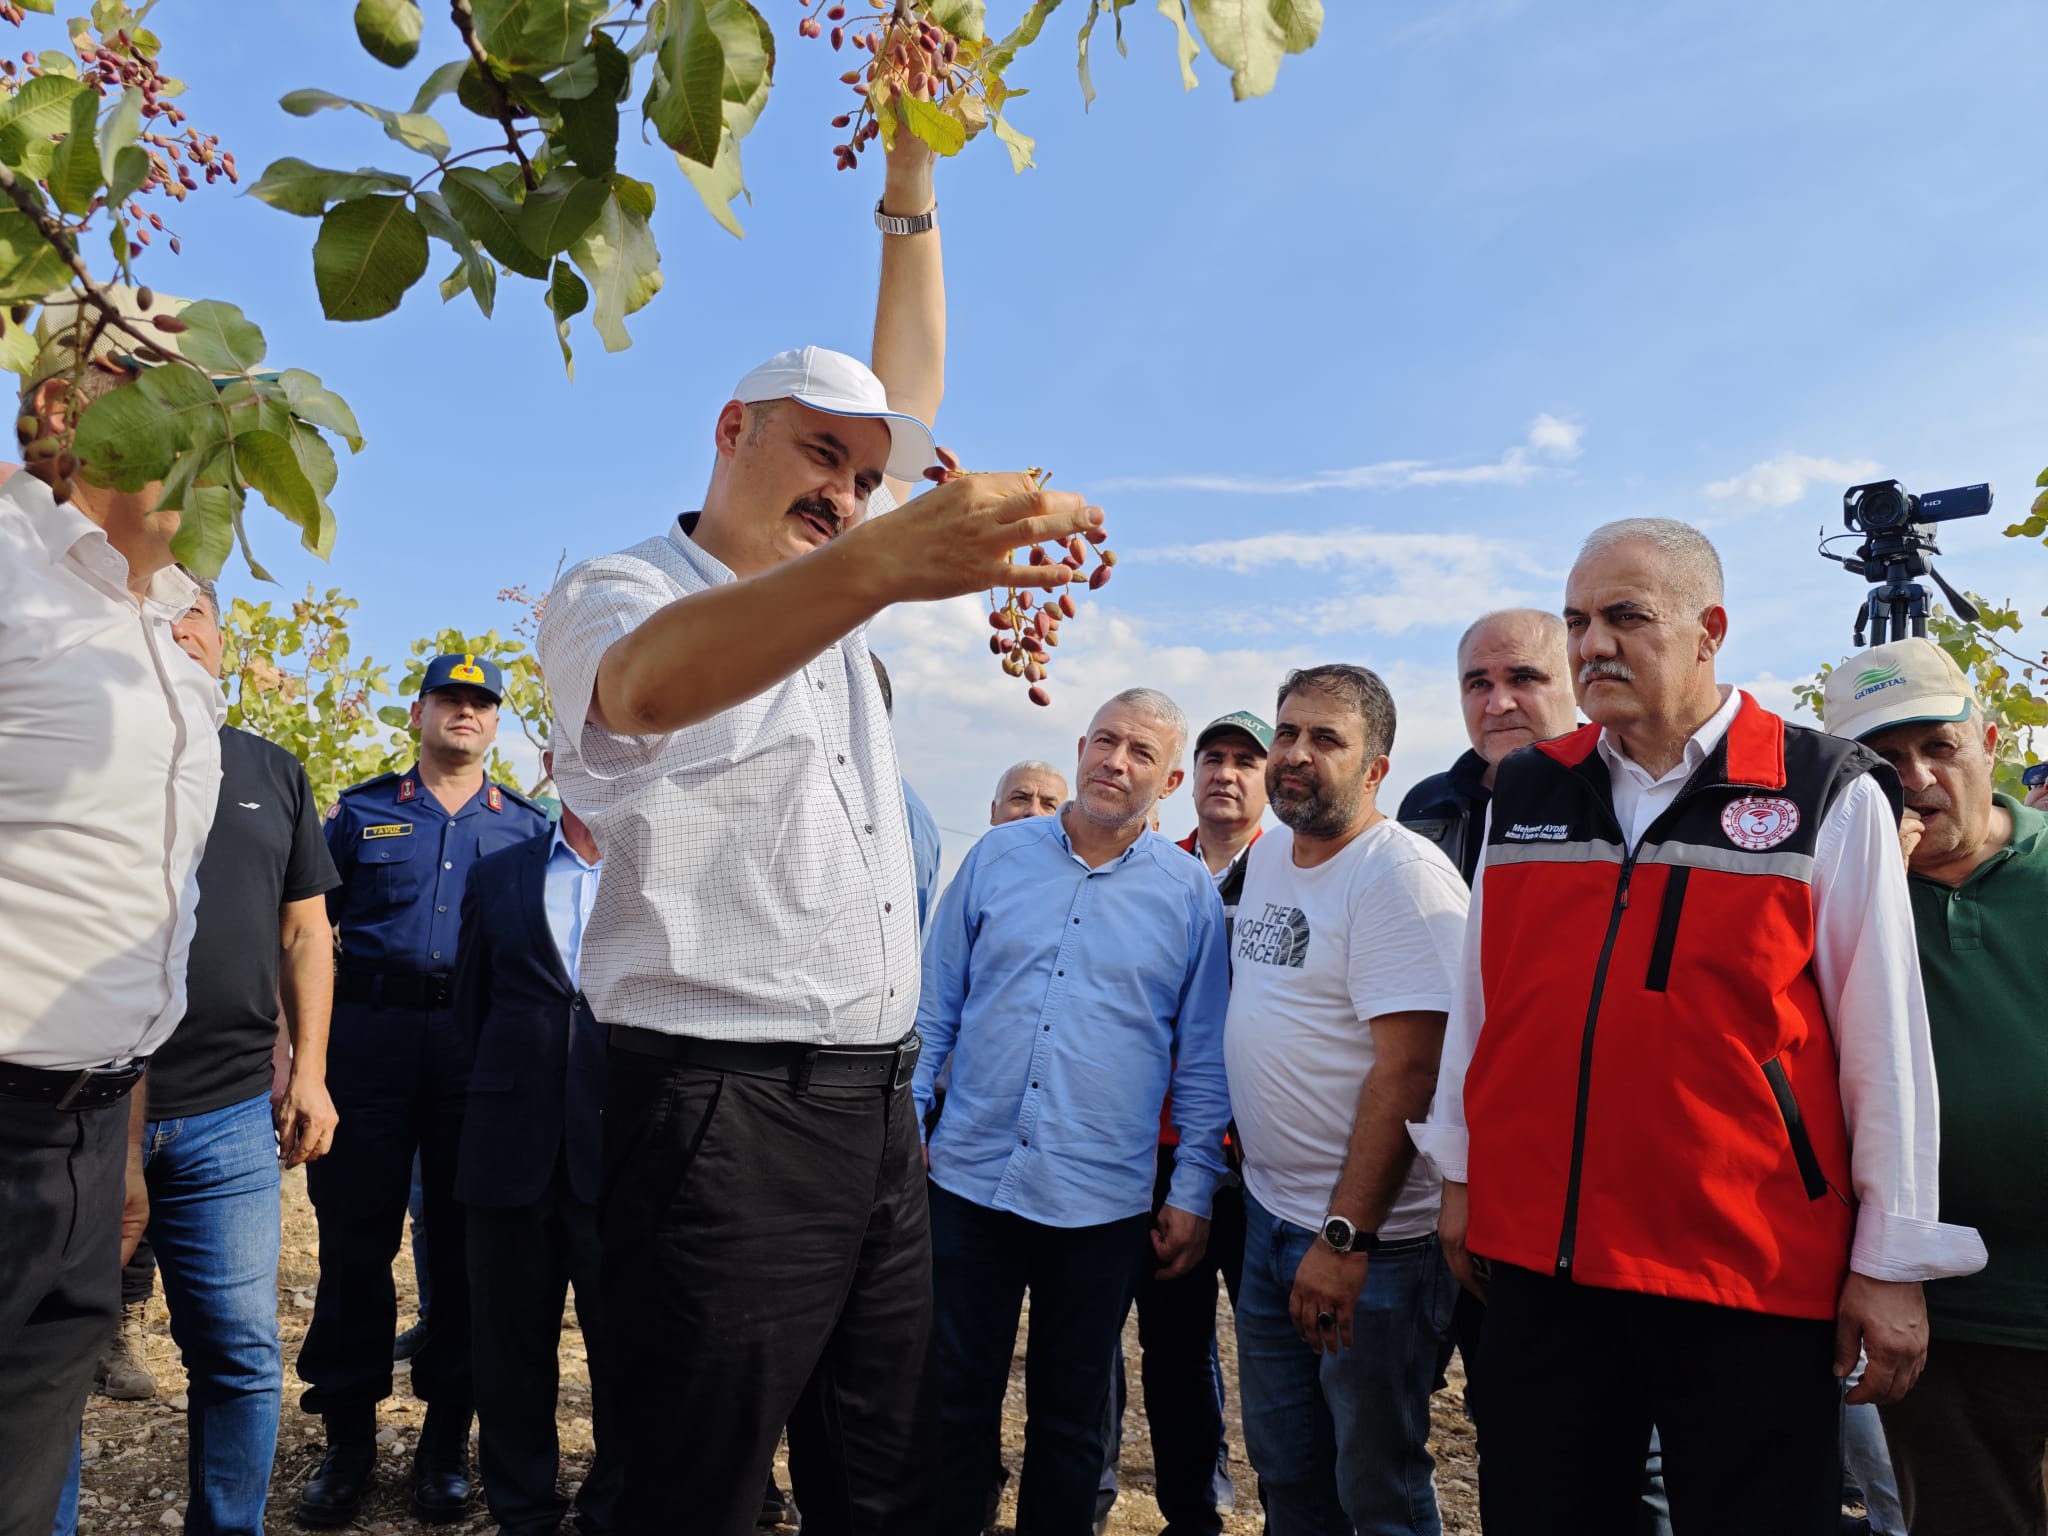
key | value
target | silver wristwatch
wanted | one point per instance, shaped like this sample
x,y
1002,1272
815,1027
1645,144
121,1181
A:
x,y
916,224
1343,1236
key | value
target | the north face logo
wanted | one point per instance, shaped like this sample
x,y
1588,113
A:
x,y
1277,936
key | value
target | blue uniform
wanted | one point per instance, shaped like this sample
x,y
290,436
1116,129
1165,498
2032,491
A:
x,y
404,861
398,1071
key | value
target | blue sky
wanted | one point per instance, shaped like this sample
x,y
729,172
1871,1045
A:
x,y
1346,365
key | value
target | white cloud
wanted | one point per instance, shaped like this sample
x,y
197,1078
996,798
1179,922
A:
x,y
1783,481
1387,582
960,722
1551,442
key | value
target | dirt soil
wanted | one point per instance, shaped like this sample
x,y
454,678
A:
x,y
134,1470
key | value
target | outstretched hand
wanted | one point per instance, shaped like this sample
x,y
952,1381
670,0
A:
x,y
962,536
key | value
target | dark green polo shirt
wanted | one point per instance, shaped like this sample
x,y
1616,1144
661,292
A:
x,y
1984,958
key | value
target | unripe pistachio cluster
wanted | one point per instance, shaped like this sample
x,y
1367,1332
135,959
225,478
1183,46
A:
x,y
1027,627
909,56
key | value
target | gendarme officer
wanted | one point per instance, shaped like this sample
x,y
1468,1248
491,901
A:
x,y
397,1068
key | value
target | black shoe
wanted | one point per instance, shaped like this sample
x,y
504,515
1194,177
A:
x,y
334,1493
410,1342
440,1482
774,1508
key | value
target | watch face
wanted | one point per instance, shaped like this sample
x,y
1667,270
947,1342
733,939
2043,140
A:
x,y
1338,1233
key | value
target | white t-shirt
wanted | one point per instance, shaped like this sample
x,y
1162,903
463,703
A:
x,y
1316,954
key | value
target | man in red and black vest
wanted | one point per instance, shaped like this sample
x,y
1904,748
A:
x,y
1686,1116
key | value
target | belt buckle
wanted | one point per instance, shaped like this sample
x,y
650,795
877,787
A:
x,y
69,1098
903,1065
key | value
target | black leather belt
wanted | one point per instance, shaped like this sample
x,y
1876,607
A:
x,y
874,1066
87,1089
394,989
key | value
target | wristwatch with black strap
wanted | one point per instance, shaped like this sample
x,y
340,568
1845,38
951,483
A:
x,y
1343,1236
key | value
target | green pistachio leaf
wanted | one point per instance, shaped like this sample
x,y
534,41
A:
x,y
74,175
389,30
370,250
219,337
491,215
560,209
535,34
476,274
296,187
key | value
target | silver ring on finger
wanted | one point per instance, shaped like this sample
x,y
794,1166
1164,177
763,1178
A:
x,y
1326,1320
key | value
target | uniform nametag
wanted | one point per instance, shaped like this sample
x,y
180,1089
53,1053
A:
x,y
390,829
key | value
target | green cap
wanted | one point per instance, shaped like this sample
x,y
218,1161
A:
x,y
1244,722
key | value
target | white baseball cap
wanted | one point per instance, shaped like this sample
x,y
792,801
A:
x,y
1894,684
840,385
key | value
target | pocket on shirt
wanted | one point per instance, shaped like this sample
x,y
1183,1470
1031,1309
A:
x,y
396,866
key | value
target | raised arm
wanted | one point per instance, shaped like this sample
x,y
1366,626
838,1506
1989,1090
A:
x,y
910,310
707,652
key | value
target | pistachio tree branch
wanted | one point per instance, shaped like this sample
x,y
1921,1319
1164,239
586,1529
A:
x,y
465,23
20,194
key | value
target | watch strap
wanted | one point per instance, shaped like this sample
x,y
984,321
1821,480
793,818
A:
x,y
915,224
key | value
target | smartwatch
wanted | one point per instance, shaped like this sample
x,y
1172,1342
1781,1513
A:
x,y
1343,1236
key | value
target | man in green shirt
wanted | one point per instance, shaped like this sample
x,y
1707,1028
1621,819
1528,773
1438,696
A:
x,y
1968,1441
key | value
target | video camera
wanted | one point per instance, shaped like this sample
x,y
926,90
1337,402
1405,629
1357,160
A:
x,y
1896,543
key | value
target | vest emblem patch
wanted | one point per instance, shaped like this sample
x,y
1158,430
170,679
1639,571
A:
x,y
1757,822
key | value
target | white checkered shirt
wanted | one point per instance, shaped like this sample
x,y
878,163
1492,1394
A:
x,y
757,880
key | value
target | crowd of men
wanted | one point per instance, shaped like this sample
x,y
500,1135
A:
x,y
1611,1058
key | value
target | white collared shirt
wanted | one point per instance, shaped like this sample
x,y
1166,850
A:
x,y
1867,962
109,773
757,874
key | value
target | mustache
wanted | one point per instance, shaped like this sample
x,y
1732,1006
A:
x,y
816,507
1613,669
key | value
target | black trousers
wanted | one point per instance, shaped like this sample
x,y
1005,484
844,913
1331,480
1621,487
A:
x,y
523,1259
1747,1406
767,1261
61,1184
1177,1334
1967,1442
398,1077
1079,1278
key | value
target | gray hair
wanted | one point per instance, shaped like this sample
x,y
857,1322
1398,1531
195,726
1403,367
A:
x,y
1029,765
205,586
1548,624
1695,569
1150,701
1361,688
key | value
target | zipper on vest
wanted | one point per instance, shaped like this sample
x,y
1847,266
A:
x,y
1568,1239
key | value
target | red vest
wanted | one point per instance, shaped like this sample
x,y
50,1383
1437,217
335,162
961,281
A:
x,y
1653,1101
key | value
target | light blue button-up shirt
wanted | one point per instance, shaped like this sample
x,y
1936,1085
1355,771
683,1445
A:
x,y
569,892
1069,1000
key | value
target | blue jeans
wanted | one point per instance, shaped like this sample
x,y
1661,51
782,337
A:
x,y
1341,1442
214,1222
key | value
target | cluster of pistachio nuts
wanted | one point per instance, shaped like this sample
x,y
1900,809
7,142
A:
x,y
1027,628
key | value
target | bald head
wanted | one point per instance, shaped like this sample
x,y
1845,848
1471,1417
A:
x,y
1029,788
1514,682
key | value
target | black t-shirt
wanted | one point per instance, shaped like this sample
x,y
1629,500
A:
x,y
265,849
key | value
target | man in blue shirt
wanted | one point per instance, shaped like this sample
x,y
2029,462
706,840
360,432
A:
x,y
1075,969
397,1068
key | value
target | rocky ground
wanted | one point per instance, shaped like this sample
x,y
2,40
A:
x,y
134,1474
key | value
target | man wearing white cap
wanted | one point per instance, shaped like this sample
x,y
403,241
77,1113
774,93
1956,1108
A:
x,y
1967,1442
754,946
109,770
